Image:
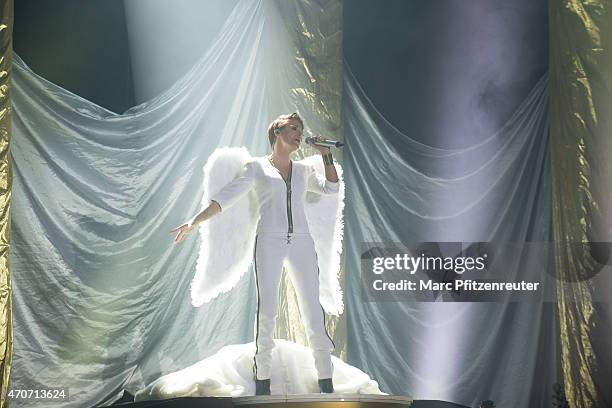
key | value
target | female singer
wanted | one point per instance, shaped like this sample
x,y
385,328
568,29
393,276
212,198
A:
x,y
283,237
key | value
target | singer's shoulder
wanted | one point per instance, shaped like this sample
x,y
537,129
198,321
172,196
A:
x,y
259,160
307,163
252,163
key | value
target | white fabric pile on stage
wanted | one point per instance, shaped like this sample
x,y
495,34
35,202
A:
x,y
229,373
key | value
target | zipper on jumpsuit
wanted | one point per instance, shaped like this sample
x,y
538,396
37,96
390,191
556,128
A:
x,y
289,215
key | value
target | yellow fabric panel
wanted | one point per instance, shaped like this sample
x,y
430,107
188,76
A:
x,y
6,331
316,29
581,112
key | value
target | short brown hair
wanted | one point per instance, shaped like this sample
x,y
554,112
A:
x,y
279,122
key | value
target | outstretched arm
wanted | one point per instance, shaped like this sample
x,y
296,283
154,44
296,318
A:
x,y
183,230
222,200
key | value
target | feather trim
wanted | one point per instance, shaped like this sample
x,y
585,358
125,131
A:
x,y
323,211
228,238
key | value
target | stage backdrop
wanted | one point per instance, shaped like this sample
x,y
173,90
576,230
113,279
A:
x,y
101,293
488,180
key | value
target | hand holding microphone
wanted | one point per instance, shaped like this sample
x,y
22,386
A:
x,y
324,147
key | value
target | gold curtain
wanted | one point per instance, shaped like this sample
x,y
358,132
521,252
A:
x,y
6,330
581,113
316,28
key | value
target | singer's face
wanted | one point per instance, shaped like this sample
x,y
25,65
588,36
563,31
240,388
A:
x,y
292,134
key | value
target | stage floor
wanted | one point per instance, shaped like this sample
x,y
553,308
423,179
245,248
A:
x,y
280,401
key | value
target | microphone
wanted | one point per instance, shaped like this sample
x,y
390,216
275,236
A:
x,y
324,142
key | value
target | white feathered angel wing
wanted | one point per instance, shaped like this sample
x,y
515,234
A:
x,y
228,238
326,225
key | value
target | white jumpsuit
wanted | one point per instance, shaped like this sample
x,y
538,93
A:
x,y
283,238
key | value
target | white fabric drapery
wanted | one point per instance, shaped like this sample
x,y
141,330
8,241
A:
x,y
101,292
497,190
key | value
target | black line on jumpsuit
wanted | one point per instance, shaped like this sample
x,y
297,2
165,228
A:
x,y
257,314
288,188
